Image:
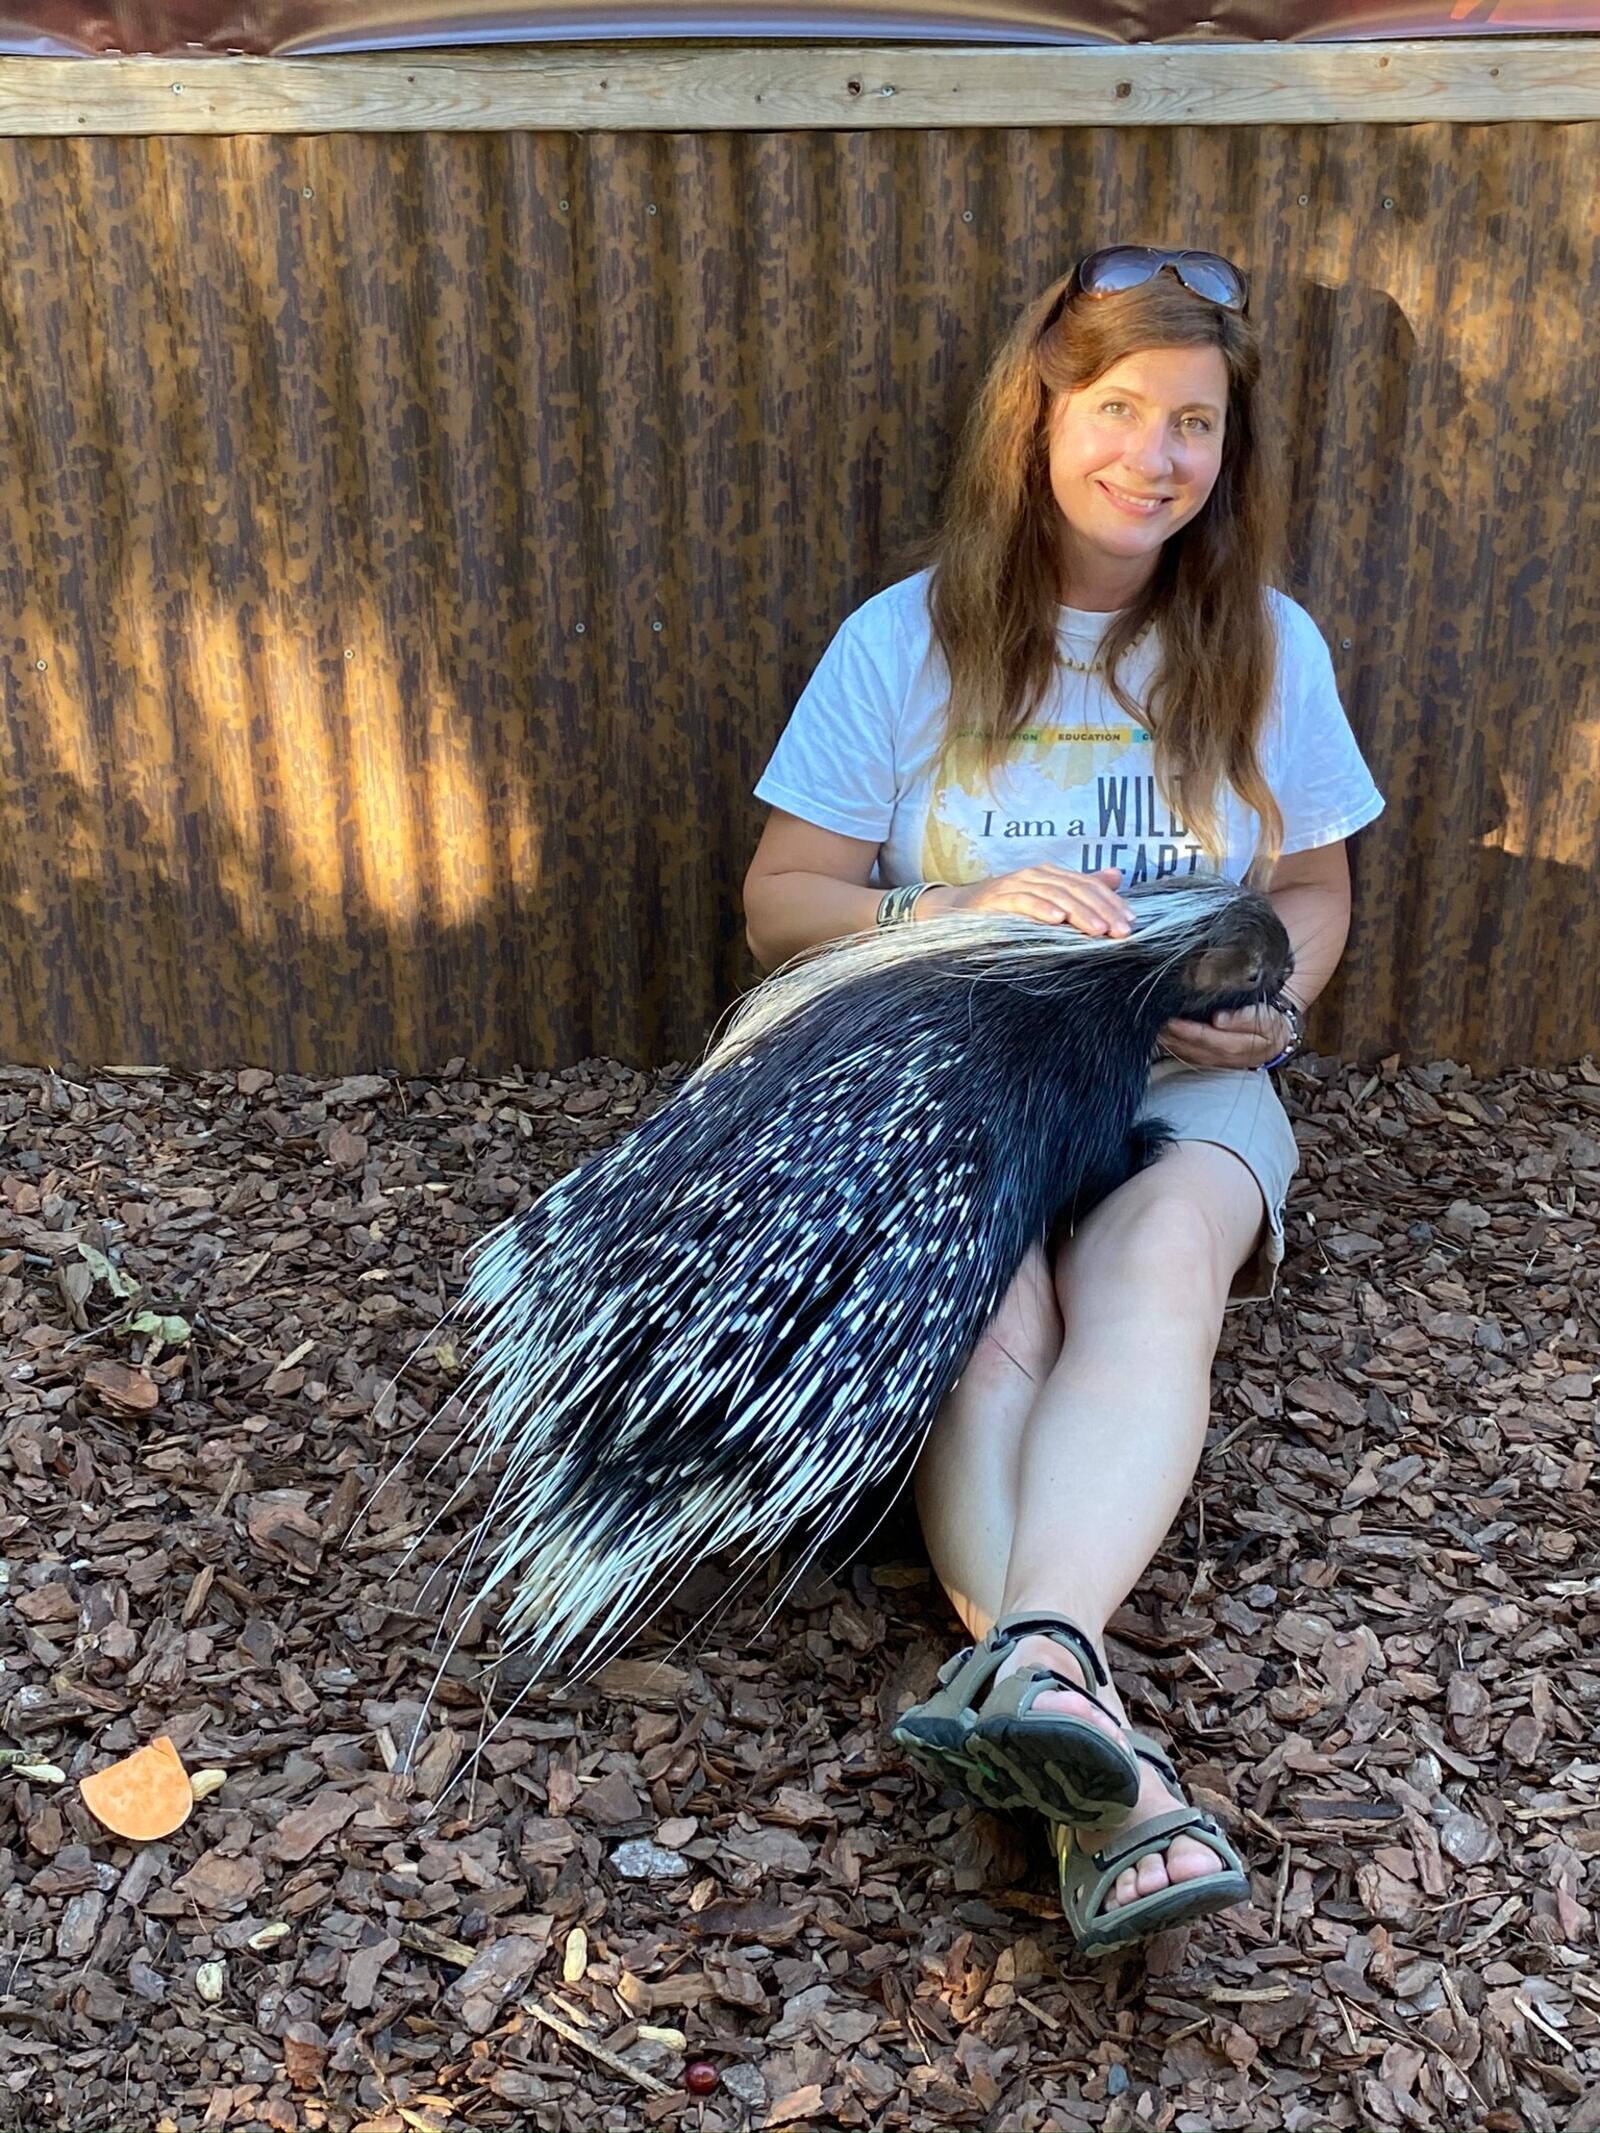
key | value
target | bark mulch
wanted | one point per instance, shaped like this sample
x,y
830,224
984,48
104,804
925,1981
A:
x,y
1372,1637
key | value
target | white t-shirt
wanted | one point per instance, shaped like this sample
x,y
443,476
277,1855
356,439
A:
x,y
866,754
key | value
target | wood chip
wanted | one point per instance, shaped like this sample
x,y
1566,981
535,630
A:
x,y
597,2051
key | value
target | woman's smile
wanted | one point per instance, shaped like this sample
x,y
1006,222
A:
x,y
1136,503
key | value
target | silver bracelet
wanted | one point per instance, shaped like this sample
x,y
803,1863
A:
x,y
1297,1035
896,907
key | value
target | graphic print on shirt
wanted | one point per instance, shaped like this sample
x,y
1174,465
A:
x,y
1092,801
866,754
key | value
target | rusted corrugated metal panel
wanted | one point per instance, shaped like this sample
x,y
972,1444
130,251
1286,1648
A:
x,y
410,547
298,26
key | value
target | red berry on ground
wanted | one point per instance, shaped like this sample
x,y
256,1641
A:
x,y
700,2077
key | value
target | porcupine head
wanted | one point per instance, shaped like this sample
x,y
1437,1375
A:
x,y
1198,949
1242,955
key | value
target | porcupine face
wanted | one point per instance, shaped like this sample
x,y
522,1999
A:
x,y
1246,963
1245,958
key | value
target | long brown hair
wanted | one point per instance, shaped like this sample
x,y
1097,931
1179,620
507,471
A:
x,y
996,557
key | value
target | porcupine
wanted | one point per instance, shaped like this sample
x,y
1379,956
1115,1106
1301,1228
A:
x,y
731,1325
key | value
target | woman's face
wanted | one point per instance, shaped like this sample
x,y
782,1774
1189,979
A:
x,y
1134,455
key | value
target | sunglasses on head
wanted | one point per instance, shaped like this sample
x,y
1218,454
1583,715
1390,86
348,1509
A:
x,y
1129,266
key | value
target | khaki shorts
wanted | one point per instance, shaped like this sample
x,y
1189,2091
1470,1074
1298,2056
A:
x,y
1239,1111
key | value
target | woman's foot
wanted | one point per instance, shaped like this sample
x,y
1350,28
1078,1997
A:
x,y
1186,1859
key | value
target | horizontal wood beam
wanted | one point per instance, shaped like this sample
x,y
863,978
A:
x,y
624,87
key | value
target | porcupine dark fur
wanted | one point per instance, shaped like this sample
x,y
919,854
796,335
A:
x,y
727,1328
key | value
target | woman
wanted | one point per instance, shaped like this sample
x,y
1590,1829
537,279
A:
x,y
1092,685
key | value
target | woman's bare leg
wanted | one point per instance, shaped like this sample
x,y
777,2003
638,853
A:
x,y
966,1479
1093,1472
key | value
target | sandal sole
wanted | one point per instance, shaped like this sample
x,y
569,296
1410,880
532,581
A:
x,y
1207,1894
947,1757
1068,1781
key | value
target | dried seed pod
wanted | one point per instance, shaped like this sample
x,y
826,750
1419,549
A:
x,y
672,2040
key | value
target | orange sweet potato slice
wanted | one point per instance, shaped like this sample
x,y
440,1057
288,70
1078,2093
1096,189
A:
x,y
144,1796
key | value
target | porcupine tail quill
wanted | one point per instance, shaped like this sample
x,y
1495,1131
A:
x,y
745,1315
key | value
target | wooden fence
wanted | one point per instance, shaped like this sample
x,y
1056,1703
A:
x,y
411,544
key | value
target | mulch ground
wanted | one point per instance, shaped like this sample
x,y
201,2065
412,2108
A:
x,y
1372,1637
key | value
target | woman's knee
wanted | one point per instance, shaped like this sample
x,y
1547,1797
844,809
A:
x,y
1025,1333
1168,1238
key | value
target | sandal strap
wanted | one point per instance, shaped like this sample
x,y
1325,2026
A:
x,y
978,1663
1083,1899
1155,1754
1156,1835
1083,1896
1063,1630
1040,1681
953,1665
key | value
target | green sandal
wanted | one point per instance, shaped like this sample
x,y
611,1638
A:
x,y
986,1737
1087,1878
1064,1768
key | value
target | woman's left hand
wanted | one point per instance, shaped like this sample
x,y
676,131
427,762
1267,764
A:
x,y
1240,1037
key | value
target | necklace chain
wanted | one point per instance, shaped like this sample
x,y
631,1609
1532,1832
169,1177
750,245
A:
x,y
1096,665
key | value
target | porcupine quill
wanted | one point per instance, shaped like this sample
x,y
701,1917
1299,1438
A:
x,y
727,1328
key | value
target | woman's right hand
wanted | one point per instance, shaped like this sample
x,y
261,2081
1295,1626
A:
x,y
1053,895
